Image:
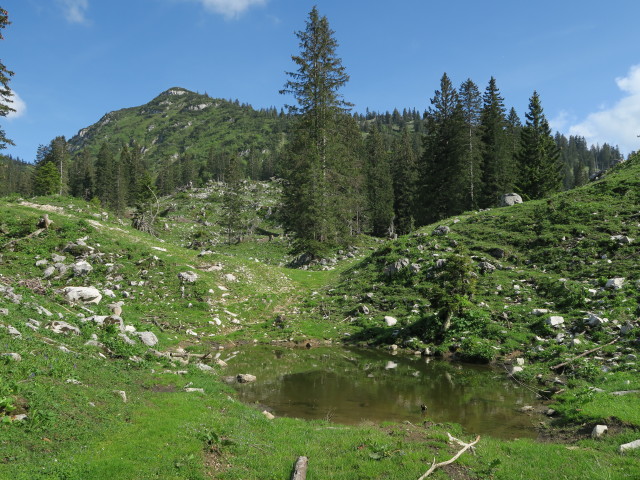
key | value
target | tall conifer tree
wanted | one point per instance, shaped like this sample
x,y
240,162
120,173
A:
x,y
405,180
379,185
538,158
497,163
471,104
317,156
441,182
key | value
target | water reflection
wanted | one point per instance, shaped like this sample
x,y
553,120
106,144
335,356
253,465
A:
x,y
351,386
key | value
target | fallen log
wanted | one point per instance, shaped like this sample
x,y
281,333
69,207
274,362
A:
x,y
300,469
435,465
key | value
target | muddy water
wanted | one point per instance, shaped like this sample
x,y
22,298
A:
x,y
353,386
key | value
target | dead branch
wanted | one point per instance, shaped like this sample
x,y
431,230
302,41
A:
x,y
435,465
584,354
453,439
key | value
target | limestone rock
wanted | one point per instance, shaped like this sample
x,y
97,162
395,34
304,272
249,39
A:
x,y
16,357
268,415
122,394
598,431
593,320
126,339
614,283
82,295
629,446
390,321
393,268
204,367
510,199
441,230
188,277
60,327
81,268
245,378
555,321
148,338
229,277
486,267
48,272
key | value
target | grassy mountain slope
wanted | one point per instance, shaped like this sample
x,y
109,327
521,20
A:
x,y
556,254
179,121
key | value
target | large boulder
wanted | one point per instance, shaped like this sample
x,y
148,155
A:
x,y
510,199
82,295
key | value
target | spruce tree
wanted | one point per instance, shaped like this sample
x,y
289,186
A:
x,y
317,155
538,158
497,162
442,184
5,91
233,203
405,182
471,104
82,181
379,185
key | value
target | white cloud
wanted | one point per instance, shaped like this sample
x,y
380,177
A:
x,y
560,121
230,8
18,105
619,124
75,10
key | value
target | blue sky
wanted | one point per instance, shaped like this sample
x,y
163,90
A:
x,y
75,60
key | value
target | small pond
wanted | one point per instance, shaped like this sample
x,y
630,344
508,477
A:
x,y
353,386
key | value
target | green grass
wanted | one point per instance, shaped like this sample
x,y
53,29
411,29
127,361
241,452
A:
x,y
554,254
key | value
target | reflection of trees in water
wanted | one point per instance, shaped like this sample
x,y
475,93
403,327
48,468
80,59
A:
x,y
352,385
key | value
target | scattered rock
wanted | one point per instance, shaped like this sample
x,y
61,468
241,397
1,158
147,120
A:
x,y
629,446
593,320
599,431
58,258
48,272
16,357
622,239
82,295
555,321
229,277
194,390
148,338
393,268
245,378
615,283
441,230
516,369
126,339
390,321
204,367
539,311
364,309
269,415
60,327
122,394
486,267
497,253
81,268
188,277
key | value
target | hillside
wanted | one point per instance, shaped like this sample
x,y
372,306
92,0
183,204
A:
x,y
179,122
163,314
